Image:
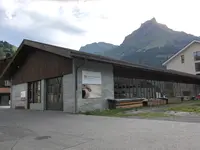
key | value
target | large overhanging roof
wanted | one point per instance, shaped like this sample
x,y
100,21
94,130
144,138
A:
x,y
69,53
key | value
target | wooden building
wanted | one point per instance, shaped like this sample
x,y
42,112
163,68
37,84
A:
x,y
4,84
47,77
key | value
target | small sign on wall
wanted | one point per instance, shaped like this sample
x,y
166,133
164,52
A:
x,y
90,77
23,94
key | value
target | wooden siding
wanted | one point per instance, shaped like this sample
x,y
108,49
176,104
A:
x,y
41,65
3,64
151,75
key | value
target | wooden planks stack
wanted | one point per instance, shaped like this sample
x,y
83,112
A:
x,y
156,102
134,103
129,104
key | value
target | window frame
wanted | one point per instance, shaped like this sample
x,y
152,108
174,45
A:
x,y
196,55
182,59
197,69
54,89
34,92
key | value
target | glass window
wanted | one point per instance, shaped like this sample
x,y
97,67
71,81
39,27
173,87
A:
x,y
54,86
34,91
197,55
197,66
7,83
182,59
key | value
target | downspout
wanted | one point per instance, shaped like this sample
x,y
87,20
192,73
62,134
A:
x,y
76,81
11,87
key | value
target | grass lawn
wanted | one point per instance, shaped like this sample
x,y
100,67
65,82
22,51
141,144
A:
x,y
189,106
120,112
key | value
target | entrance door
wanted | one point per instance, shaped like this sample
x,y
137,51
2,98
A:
x,y
54,94
34,93
4,100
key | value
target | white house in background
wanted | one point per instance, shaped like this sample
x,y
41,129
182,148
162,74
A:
x,y
186,60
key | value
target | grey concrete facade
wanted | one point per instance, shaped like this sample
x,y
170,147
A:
x,y
72,98
107,85
69,93
16,100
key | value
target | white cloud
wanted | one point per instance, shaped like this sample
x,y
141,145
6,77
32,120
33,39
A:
x,y
78,22
34,22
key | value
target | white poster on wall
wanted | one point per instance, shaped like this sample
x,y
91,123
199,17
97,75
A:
x,y
91,84
23,94
90,77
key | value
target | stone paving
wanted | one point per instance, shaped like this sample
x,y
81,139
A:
x,y
35,130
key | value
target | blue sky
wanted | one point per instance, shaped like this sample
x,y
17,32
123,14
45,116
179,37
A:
x,y
74,23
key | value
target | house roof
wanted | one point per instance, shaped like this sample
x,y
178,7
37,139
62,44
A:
x,y
4,90
182,50
69,53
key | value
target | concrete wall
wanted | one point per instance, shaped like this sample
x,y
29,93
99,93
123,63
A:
x,y
189,65
69,93
16,100
36,106
107,86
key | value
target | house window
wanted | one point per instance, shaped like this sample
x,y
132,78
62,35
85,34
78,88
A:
x,y
34,92
7,83
182,59
196,55
197,67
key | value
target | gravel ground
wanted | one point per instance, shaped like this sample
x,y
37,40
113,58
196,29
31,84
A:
x,y
35,130
173,115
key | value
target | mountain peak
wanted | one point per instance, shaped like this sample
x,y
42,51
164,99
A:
x,y
151,34
153,20
150,22
151,44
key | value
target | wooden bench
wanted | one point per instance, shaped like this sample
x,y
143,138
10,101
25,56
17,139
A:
x,y
125,103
